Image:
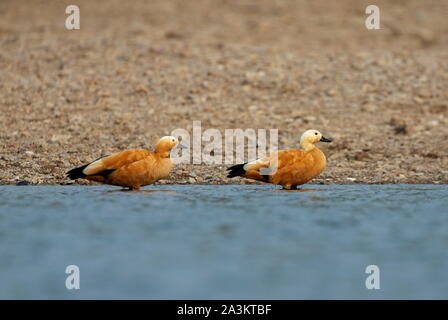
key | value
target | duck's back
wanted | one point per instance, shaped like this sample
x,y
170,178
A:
x,y
115,161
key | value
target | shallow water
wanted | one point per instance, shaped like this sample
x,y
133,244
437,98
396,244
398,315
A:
x,y
225,242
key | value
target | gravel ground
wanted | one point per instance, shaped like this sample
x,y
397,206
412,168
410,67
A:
x,y
138,70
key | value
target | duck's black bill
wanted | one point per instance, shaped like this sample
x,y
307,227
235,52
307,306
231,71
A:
x,y
323,139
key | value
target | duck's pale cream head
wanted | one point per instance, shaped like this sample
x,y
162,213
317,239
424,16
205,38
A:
x,y
165,144
310,137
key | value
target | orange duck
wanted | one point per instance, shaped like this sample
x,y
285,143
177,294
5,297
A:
x,y
131,168
294,167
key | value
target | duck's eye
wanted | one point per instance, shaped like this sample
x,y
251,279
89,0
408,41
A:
x,y
316,133
173,140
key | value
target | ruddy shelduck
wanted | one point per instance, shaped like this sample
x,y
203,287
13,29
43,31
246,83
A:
x,y
131,168
290,167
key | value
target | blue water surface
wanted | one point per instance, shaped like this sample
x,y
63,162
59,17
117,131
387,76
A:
x,y
224,242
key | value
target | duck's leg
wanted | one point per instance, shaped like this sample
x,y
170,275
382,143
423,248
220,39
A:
x,y
290,187
128,188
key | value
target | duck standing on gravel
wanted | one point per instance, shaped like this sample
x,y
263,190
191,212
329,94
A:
x,y
294,167
131,168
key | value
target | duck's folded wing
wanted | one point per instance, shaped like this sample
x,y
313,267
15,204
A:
x,y
265,162
278,160
116,161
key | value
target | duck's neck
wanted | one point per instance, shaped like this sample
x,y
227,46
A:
x,y
163,153
307,146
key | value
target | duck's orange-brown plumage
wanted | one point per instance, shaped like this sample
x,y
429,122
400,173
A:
x,y
291,167
132,168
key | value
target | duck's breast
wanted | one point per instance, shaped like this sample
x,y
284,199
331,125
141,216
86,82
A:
x,y
151,170
320,161
162,169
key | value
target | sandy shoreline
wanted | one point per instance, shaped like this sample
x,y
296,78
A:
x,y
131,75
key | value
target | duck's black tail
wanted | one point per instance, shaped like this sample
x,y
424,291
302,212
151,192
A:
x,y
77,172
236,171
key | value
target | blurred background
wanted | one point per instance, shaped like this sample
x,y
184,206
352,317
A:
x,y
136,70
283,24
